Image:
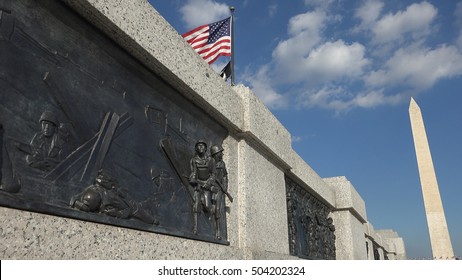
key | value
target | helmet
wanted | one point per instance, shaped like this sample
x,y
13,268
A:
x,y
200,142
50,117
215,149
91,199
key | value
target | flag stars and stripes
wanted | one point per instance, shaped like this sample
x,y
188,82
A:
x,y
218,30
212,40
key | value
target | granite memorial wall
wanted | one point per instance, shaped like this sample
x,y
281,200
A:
x,y
116,144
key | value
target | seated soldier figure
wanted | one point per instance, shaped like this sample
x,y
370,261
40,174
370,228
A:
x,y
46,145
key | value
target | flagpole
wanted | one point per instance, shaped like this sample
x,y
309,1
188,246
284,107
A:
x,y
232,44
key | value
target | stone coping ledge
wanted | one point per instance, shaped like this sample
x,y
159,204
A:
x,y
347,198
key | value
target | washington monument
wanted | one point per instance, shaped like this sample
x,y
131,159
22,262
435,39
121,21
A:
x,y
437,226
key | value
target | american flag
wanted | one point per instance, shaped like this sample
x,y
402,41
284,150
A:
x,y
211,41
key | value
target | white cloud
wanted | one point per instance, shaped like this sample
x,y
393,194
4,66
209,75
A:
x,y
194,15
418,68
295,139
369,100
337,98
376,78
261,85
311,22
219,65
415,21
303,58
328,62
369,12
305,33
334,60
328,97
318,98
376,98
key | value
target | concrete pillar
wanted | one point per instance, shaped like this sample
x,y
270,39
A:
x,y
349,218
262,206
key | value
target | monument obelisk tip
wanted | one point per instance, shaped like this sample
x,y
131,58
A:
x,y
413,104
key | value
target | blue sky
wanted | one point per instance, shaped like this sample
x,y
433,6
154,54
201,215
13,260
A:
x,y
339,75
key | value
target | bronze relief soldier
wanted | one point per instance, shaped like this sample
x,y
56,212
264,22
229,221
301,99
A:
x,y
202,179
47,145
221,187
105,196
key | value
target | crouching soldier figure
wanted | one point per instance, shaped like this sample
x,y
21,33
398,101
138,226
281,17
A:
x,y
106,197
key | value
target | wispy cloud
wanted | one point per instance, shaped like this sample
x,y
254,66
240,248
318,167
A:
x,y
368,13
418,67
296,139
193,12
272,10
261,83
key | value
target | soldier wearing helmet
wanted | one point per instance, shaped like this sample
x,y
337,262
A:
x,y
202,179
46,145
89,202
221,186
49,122
106,197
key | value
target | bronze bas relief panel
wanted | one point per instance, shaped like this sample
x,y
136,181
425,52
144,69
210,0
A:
x,y
87,132
311,230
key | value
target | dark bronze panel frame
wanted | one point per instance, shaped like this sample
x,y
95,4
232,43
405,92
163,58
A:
x,y
87,132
